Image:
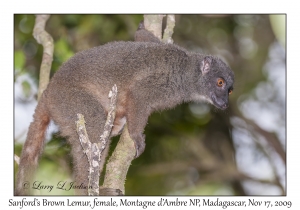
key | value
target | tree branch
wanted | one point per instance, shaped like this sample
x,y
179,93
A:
x,y
46,40
118,164
169,30
95,150
271,138
153,23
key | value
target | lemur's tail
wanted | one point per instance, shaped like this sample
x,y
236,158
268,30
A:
x,y
32,149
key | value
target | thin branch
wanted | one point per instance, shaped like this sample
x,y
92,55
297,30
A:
x,y
17,159
94,150
110,118
270,138
266,152
46,40
169,30
153,23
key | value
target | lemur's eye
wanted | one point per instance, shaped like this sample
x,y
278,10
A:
x,y
220,82
230,91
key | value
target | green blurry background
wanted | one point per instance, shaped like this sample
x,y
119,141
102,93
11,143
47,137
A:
x,y
193,149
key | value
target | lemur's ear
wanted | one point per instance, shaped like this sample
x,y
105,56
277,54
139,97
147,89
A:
x,y
206,64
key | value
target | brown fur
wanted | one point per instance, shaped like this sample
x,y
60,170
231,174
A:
x,y
33,148
150,76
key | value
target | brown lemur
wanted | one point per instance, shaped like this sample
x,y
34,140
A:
x,y
150,76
